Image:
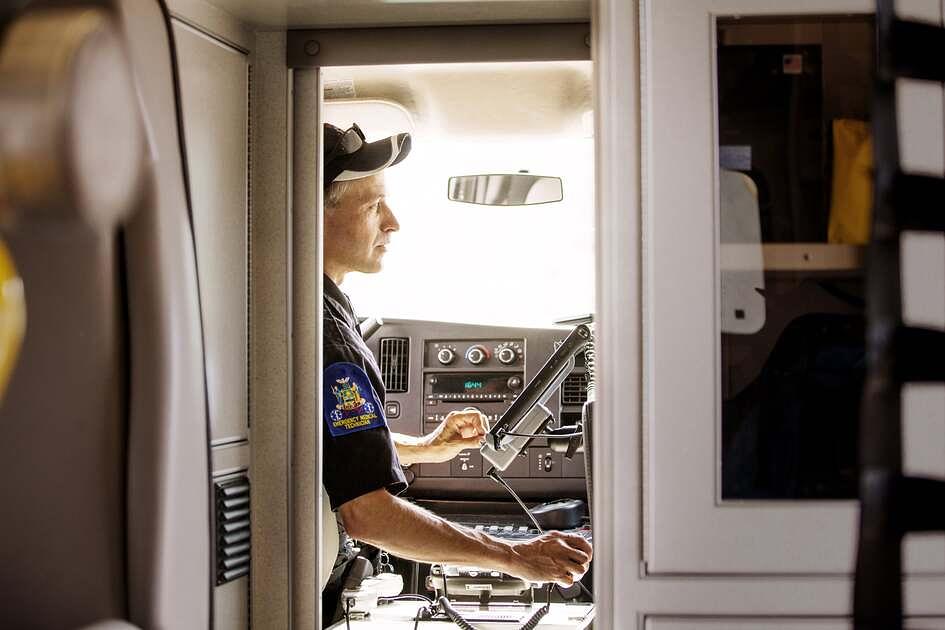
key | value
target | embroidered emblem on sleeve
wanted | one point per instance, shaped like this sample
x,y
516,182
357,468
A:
x,y
349,400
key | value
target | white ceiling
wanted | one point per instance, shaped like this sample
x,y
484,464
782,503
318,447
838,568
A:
x,y
363,13
534,98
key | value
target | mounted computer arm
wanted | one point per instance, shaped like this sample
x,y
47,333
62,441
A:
x,y
528,416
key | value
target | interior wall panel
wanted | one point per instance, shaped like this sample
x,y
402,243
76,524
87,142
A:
x,y
213,20
214,89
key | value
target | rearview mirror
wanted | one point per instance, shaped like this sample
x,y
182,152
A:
x,y
513,189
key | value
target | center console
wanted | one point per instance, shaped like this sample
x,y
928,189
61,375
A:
x,y
433,368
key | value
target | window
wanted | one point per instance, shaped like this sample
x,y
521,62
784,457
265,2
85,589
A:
x,y
794,186
457,262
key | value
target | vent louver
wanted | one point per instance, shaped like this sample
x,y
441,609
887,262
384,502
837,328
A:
x,y
395,363
233,526
574,389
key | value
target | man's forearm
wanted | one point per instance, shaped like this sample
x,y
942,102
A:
x,y
410,449
460,430
416,534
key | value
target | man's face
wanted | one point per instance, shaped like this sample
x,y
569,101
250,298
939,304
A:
x,y
358,228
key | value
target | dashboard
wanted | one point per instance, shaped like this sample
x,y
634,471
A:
x,y
432,368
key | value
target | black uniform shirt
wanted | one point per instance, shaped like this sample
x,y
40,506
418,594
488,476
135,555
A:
x,y
359,455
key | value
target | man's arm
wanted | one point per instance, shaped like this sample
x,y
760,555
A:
x,y
410,449
413,533
459,431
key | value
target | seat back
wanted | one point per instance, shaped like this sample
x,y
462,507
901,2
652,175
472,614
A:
x,y
104,470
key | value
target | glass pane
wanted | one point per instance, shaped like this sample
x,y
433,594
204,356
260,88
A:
x,y
795,195
513,265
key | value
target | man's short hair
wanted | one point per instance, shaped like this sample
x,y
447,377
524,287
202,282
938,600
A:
x,y
337,191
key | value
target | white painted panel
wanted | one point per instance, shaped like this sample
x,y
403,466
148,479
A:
x,y
688,530
923,279
774,623
923,427
924,430
919,108
748,624
214,90
213,20
922,150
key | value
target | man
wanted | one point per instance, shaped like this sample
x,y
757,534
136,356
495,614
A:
x,y
362,458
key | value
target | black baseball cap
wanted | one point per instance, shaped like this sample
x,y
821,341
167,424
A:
x,y
348,155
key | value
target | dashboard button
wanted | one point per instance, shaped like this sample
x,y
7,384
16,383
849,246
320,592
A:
x,y
445,356
506,355
477,354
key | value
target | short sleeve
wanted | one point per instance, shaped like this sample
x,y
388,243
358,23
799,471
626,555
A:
x,y
358,453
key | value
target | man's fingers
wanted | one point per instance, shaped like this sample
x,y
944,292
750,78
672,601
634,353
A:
x,y
575,567
571,553
565,580
568,549
472,442
578,556
578,542
567,577
474,419
573,540
469,432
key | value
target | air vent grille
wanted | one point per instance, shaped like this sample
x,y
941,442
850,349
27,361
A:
x,y
574,389
233,526
395,363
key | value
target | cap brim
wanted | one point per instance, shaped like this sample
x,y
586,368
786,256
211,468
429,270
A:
x,y
374,157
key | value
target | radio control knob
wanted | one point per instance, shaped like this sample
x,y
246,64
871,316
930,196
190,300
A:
x,y
506,356
477,354
445,356
514,382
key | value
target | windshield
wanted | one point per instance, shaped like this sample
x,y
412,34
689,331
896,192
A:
x,y
460,262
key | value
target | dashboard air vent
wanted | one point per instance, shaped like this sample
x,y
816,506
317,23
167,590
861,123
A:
x,y
233,525
395,363
574,389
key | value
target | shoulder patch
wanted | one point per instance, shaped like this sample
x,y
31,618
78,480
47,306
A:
x,y
349,400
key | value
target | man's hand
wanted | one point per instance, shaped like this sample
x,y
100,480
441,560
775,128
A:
x,y
460,430
413,533
552,557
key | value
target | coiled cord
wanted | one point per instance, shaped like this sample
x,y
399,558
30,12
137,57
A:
x,y
530,624
453,614
587,422
540,613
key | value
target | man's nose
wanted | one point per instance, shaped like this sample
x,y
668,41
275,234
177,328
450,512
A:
x,y
390,223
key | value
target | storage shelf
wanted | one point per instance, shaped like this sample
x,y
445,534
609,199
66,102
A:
x,y
792,257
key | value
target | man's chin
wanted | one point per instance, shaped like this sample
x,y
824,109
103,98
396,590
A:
x,y
372,267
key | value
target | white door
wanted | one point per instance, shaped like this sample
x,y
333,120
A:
x,y
790,508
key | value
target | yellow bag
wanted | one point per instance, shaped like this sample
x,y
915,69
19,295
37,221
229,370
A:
x,y
12,316
851,200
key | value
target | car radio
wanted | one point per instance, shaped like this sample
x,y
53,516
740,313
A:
x,y
472,386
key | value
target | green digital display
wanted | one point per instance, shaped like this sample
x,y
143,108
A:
x,y
472,384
